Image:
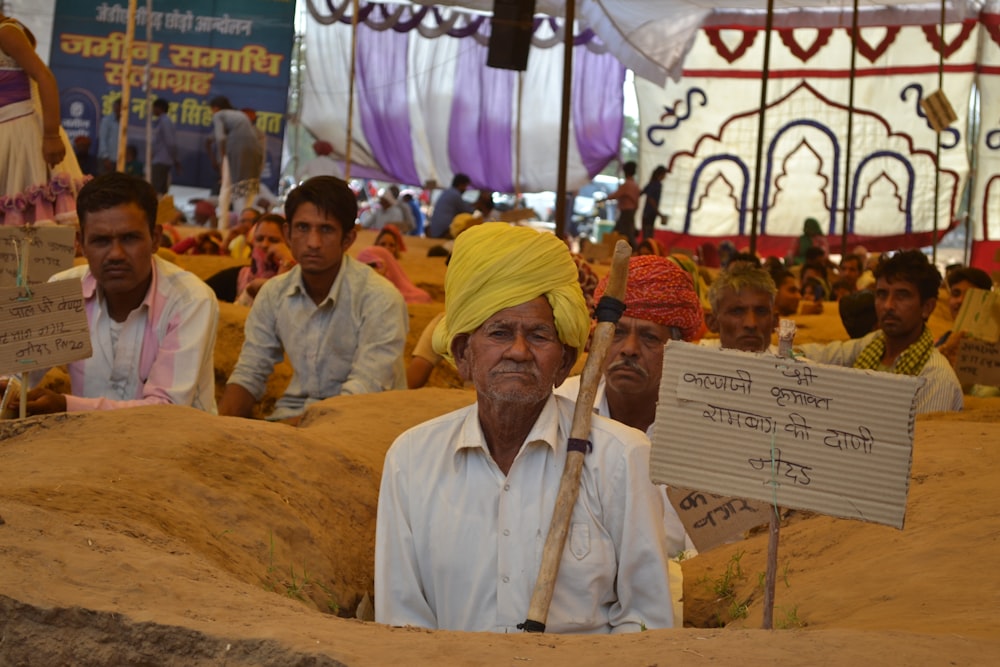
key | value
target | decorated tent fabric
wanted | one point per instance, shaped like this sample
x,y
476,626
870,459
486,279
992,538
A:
x,y
704,129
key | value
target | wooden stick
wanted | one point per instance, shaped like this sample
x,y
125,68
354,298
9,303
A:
x,y
569,484
126,87
772,568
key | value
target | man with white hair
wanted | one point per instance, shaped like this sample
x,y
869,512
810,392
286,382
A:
x,y
466,499
387,212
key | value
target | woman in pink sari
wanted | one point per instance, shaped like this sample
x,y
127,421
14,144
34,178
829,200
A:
x,y
382,261
269,257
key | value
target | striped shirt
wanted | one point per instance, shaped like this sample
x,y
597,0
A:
x,y
163,353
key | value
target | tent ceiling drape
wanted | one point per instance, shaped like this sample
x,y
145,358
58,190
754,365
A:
x,y
651,37
427,107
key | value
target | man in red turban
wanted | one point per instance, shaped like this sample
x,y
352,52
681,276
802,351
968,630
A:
x,y
660,305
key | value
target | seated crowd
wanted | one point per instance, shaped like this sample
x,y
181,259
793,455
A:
x,y
465,496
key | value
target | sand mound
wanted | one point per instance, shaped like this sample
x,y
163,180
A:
x,y
163,535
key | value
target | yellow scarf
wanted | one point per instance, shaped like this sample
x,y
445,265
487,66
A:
x,y
910,362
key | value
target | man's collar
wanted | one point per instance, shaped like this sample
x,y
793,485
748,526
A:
x,y
297,286
546,428
90,286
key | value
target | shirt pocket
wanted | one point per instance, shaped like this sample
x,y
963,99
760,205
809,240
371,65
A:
x,y
579,540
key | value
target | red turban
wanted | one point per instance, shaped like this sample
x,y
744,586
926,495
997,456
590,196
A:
x,y
204,209
660,291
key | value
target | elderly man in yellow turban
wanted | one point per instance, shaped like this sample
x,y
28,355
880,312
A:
x,y
466,499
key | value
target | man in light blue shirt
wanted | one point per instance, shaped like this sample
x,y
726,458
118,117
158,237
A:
x,y
107,138
341,324
164,147
448,205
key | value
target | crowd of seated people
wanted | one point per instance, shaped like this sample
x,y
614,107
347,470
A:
x,y
269,245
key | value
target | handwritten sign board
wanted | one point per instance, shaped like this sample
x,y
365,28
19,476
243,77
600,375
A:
x,y
979,315
823,438
978,362
711,520
42,330
51,250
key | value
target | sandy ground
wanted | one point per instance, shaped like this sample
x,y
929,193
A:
x,y
164,536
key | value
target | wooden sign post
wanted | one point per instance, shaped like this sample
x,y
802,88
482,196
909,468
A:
x,y
827,439
44,324
45,251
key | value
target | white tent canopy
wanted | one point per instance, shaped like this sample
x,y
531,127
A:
x,y
652,37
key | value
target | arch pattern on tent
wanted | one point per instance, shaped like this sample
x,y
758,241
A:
x,y
885,196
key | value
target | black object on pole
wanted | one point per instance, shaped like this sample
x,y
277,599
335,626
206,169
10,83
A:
x,y
510,34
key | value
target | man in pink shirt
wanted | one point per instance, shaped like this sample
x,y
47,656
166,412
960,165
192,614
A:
x,y
627,195
152,324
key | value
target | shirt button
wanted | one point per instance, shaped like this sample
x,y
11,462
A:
x,y
506,579
506,487
506,531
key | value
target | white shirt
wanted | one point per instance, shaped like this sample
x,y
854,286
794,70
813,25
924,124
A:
x,y
940,392
458,544
351,343
677,537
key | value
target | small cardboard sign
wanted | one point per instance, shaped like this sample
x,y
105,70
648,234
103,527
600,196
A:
x,y
978,362
979,315
796,434
50,250
711,520
938,110
42,326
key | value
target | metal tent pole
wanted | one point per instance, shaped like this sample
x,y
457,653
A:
x,y
760,126
567,90
850,134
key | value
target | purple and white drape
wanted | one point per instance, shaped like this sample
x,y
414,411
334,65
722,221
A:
x,y
427,107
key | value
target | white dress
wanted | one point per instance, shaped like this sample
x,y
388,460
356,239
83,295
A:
x,y
28,192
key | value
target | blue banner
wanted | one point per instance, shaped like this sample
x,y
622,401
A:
x,y
199,49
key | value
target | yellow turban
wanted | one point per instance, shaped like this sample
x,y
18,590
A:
x,y
496,266
461,222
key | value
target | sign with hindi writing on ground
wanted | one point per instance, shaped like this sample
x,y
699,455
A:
x,y
50,250
711,520
797,434
42,326
978,362
979,315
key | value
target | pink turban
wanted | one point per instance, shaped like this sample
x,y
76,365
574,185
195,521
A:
x,y
660,291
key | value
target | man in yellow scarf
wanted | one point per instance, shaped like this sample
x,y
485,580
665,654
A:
x,y
906,289
467,498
